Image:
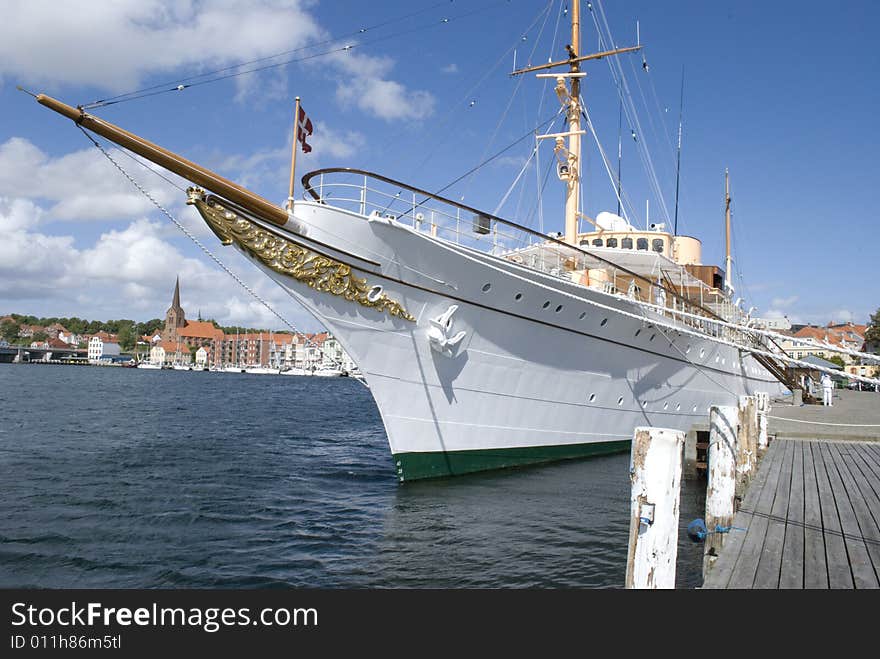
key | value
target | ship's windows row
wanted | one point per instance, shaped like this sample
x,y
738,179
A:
x,y
657,244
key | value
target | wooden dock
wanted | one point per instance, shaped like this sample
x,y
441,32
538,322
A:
x,y
811,519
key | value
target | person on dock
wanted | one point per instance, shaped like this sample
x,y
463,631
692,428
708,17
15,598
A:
x,y
827,388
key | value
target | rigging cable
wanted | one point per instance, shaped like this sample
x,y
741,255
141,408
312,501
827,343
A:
x,y
189,234
153,91
516,89
620,80
606,162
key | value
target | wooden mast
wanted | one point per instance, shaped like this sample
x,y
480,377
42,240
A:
x,y
205,178
293,154
570,157
572,192
728,266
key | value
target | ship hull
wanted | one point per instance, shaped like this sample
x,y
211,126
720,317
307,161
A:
x,y
543,369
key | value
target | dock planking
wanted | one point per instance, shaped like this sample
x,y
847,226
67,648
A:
x,y
811,518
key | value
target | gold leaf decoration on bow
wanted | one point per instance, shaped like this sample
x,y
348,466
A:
x,y
317,271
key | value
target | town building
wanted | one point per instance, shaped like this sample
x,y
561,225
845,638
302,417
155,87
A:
x,y
190,334
812,340
775,324
180,338
99,349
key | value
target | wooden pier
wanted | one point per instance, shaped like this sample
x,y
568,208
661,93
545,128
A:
x,y
810,519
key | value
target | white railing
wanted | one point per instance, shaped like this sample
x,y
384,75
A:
x,y
373,195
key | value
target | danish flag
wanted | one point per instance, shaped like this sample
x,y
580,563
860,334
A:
x,y
304,129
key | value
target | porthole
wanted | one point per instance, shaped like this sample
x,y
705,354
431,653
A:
x,y
695,408
652,337
638,331
546,304
374,294
687,350
678,407
723,361
717,359
559,308
702,352
517,297
583,315
486,287
644,403
620,401
665,406
604,322
592,397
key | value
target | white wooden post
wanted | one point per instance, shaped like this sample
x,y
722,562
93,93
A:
x,y
763,399
721,467
655,474
746,441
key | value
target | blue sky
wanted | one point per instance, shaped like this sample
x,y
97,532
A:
x,y
784,94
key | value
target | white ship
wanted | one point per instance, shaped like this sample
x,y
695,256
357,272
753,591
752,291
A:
x,y
484,343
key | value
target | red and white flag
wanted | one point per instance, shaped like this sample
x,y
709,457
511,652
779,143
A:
x,y
304,130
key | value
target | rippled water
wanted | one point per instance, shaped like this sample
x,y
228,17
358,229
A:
x,y
127,478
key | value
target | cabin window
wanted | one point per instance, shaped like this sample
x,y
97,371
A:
x,y
585,243
657,245
611,242
597,242
626,243
642,243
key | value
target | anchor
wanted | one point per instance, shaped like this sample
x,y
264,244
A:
x,y
438,333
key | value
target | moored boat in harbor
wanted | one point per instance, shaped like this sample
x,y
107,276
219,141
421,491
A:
x,y
486,343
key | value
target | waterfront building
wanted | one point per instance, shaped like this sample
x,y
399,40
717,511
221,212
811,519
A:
x,y
865,370
775,324
248,349
196,333
99,349
811,340
170,352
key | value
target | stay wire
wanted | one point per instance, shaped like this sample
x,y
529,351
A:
x,y
162,89
190,235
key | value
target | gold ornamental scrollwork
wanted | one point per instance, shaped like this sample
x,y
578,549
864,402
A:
x,y
317,271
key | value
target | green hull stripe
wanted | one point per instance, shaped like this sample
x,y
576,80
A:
x,y
438,464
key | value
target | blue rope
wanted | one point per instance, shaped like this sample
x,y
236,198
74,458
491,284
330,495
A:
x,y
697,530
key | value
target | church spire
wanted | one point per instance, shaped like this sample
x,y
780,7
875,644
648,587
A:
x,y
174,317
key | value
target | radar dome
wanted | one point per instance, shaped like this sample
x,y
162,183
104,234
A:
x,y
611,222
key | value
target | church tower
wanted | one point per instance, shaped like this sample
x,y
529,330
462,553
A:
x,y
174,317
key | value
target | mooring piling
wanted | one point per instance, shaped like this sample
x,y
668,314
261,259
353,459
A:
x,y
655,474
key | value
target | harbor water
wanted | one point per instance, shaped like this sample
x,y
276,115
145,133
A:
x,y
126,478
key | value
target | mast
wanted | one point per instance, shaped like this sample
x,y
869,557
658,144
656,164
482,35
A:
x,y
678,156
570,158
572,191
293,154
728,267
619,150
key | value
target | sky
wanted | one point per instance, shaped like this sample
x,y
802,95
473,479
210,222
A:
x,y
783,94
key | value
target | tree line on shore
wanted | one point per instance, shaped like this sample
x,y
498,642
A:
x,y
128,331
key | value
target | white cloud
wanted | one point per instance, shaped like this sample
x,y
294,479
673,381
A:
x,y
127,273
336,143
52,41
365,84
450,68
82,185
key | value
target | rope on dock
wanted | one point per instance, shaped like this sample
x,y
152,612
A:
x,y
825,423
